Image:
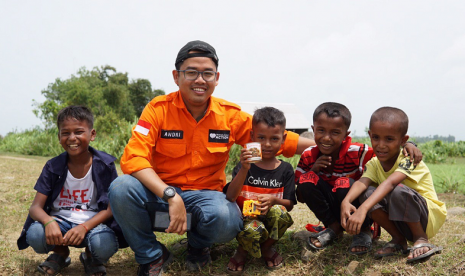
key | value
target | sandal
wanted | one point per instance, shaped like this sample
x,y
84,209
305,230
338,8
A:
x,y
433,250
362,239
55,262
397,249
272,259
325,237
236,264
89,267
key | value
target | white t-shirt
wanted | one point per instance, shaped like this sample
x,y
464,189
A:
x,y
77,201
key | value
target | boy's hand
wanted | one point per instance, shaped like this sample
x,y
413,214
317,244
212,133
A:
x,y
321,163
355,221
265,203
414,153
75,235
245,155
346,210
53,234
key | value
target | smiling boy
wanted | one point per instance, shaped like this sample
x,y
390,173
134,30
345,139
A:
x,y
397,194
275,192
71,205
326,171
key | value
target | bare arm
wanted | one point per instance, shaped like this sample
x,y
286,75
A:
x,y
355,221
414,153
53,234
235,187
303,144
150,179
76,235
355,191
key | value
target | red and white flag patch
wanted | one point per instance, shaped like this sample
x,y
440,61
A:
x,y
143,127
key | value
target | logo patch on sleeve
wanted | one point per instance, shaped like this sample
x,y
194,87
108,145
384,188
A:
x,y
172,134
218,136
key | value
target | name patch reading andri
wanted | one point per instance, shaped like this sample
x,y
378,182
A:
x,y
172,134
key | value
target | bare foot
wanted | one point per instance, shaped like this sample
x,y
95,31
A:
x,y
268,253
239,257
419,251
338,230
362,248
63,251
392,250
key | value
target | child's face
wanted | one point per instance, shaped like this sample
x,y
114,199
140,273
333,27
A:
x,y
386,141
270,138
75,136
329,133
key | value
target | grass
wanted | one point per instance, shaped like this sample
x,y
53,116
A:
x,y
449,177
19,174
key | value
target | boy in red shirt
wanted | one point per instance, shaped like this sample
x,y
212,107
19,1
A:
x,y
326,171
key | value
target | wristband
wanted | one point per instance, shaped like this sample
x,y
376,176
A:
x,y
87,229
412,143
45,225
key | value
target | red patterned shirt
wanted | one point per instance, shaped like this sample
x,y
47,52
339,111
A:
x,y
350,164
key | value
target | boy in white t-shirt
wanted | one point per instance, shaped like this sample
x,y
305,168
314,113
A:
x,y
71,204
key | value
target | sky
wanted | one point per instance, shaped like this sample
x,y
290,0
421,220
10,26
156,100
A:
x,y
363,54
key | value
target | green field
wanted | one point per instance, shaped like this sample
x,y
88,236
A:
x,y
449,177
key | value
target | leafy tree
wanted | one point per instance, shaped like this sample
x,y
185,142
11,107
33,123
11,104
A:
x,y
111,96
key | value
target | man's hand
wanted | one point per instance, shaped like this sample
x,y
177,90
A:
x,y
321,163
415,154
245,155
53,234
178,219
266,201
75,235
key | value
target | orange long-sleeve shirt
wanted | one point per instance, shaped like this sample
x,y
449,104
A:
x,y
185,153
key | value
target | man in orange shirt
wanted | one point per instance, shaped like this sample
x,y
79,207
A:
x,y
175,162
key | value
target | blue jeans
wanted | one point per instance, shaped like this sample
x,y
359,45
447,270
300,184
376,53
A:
x,y
214,218
100,240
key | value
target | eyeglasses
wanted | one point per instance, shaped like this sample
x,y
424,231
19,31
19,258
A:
x,y
192,74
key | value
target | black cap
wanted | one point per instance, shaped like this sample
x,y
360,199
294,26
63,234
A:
x,y
196,45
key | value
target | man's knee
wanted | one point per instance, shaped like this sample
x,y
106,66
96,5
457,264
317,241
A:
x,y
225,220
122,187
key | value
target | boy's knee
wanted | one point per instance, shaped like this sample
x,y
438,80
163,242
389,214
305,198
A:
x,y
365,195
304,189
399,191
103,243
35,237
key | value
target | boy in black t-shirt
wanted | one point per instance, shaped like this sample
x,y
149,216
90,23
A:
x,y
270,182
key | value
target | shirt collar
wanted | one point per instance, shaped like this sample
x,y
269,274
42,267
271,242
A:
x,y
59,164
345,147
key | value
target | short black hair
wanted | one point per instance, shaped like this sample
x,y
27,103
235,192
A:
x,y
334,110
78,112
270,116
391,115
